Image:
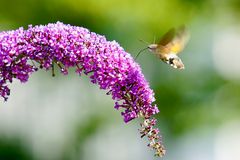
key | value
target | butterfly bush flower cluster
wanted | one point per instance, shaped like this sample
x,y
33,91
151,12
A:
x,y
23,52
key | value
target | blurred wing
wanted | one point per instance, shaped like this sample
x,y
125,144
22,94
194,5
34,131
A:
x,y
167,37
179,41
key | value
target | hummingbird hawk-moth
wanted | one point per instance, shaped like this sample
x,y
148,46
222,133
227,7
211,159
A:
x,y
171,43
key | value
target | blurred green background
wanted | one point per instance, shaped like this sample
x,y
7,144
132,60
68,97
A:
x,y
67,118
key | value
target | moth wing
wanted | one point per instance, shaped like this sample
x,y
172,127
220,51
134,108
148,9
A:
x,y
179,41
167,37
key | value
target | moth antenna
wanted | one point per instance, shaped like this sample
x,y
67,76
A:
x,y
154,39
140,52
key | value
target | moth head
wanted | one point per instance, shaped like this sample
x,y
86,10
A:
x,y
174,61
152,47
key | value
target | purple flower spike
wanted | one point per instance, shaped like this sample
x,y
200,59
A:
x,y
23,52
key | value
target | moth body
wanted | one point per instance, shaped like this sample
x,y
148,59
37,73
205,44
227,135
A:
x,y
170,58
170,45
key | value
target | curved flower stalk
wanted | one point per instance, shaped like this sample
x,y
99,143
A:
x,y
23,52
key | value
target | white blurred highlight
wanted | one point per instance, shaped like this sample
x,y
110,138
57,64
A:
x,y
44,112
226,52
227,143
117,142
